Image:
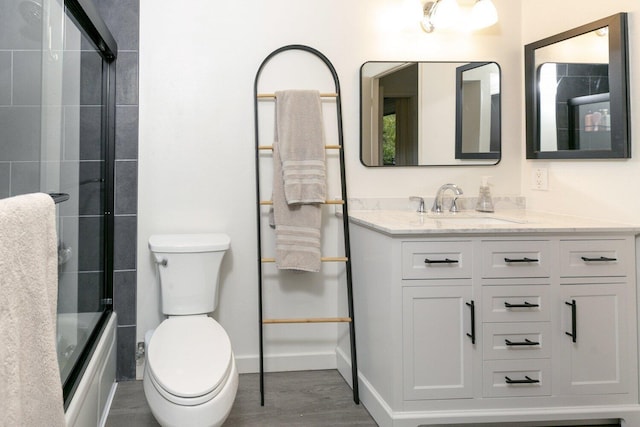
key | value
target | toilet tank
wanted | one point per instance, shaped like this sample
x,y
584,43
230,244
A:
x,y
189,267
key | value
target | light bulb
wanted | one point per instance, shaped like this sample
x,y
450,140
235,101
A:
x,y
445,13
483,14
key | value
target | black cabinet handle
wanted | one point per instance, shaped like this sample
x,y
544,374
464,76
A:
x,y
517,343
440,261
527,380
516,260
523,305
601,259
472,335
574,326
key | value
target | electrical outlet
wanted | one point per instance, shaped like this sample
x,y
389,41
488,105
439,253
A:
x,y
540,179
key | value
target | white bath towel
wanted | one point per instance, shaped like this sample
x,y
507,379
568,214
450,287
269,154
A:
x,y
299,182
30,386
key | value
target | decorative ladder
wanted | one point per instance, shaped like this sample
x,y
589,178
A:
x,y
345,220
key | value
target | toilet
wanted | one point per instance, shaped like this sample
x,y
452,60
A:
x,y
190,375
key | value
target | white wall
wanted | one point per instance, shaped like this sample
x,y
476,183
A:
x,y
198,61
604,189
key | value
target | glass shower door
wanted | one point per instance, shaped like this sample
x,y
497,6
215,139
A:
x,y
73,161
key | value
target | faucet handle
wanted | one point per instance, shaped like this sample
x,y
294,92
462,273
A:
x,y
421,208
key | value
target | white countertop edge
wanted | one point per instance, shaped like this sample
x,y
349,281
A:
x,y
397,222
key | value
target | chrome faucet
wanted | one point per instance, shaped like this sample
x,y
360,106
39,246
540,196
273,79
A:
x,y
437,203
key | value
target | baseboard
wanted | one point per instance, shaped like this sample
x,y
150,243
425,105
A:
x,y
287,362
369,398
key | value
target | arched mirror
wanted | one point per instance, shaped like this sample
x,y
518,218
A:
x,y
577,101
429,113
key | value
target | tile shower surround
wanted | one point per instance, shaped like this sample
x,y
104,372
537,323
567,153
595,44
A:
x,y
20,86
122,18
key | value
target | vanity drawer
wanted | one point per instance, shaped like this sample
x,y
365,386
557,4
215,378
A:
x,y
589,258
437,260
527,303
516,258
516,340
516,378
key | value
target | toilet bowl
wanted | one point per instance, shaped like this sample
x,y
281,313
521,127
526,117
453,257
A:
x,y
190,377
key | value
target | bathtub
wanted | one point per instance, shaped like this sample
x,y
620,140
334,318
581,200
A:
x,y
91,401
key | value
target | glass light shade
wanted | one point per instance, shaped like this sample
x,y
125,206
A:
x,y
483,14
445,13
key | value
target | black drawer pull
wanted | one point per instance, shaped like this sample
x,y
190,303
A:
x,y
440,261
574,326
523,305
472,335
601,259
525,259
527,380
516,343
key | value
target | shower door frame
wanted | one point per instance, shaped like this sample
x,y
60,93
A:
x,y
92,25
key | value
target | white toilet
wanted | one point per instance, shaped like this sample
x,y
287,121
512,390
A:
x,y
190,376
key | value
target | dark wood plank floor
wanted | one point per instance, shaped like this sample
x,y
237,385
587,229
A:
x,y
306,398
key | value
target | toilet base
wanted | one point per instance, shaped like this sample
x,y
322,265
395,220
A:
x,y
209,414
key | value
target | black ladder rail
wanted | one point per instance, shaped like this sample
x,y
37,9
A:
x,y
345,216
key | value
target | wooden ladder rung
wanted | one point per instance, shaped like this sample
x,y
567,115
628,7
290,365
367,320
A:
x,y
327,147
326,202
323,259
273,95
309,320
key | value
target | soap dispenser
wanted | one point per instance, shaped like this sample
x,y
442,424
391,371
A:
x,y
485,204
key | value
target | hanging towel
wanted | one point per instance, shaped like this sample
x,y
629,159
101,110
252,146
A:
x,y
30,386
300,135
299,182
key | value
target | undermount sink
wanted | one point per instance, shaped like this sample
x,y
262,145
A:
x,y
479,220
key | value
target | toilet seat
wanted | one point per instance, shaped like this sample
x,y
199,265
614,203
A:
x,y
189,359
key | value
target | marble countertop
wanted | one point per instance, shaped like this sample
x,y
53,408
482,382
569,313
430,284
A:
x,y
515,221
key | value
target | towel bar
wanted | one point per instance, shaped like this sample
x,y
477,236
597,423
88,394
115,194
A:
x,y
59,197
309,320
326,202
323,259
327,147
273,95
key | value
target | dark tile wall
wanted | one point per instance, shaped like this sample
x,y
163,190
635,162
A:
x,y
20,87
576,80
122,18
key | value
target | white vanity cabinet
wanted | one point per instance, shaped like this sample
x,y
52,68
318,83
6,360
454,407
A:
x,y
437,316
471,328
599,308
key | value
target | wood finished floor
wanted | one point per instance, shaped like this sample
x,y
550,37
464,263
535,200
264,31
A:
x,y
306,398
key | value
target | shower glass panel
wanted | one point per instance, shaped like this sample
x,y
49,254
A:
x,y
57,101
73,139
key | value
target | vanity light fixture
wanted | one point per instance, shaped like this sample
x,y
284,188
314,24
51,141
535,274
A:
x,y
447,13
483,14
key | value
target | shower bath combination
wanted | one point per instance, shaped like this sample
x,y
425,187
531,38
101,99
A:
x,y
57,136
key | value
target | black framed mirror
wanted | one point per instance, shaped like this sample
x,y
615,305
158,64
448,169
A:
x,y
576,93
419,114
478,111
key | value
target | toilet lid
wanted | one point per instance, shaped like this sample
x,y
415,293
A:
x,y
189,356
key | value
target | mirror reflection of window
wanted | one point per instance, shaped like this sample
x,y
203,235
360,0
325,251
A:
x,y
409,110
399,115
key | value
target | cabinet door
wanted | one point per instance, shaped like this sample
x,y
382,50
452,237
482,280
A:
x,y
437,351
594,357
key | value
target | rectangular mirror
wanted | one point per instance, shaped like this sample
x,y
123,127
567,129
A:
x,y
577,102
429,113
